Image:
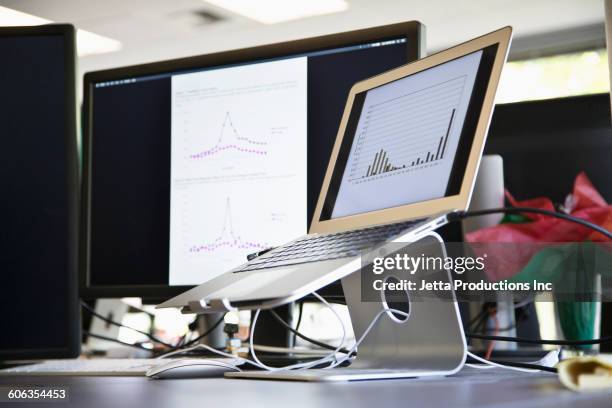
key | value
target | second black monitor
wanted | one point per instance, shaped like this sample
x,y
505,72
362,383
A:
x,y
39,184
191,164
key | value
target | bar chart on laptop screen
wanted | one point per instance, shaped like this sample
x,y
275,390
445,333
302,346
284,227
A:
x,y
406,139
238,171
406,133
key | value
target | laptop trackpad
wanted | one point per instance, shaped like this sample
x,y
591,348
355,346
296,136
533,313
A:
x,y
252,283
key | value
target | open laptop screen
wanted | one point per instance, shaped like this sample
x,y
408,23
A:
x,y
408,141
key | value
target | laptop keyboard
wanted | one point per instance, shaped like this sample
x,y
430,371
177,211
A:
x,y
322,247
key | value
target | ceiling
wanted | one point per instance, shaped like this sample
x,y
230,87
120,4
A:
x,y
151,30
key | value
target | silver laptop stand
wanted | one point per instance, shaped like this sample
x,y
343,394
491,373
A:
x,y
429,342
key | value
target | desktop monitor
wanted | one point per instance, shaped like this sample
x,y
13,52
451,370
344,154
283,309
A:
x,y
39,180
191,164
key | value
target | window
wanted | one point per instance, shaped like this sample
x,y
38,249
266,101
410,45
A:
x,y
555,76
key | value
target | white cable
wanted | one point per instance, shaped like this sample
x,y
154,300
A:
x,y
365,333
491,363
551,358
204,346
480,366
200,346
180,351
251,348
395,311
331,357
295,350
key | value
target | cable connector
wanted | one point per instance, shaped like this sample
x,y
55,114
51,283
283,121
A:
x,y
455,216
254,255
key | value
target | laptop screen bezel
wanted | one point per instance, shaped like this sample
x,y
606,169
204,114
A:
x,y
464,171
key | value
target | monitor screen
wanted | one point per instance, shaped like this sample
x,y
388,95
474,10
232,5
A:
x,y
238,165
38,177
193,169
406,138
408,141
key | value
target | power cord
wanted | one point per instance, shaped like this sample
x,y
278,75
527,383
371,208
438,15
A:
x,y
114,323
148,335
332,360
299,319
497,363
460,215
124,343
303,336
513,367
292,350
525,365
188,346
331,357
601,340
203,335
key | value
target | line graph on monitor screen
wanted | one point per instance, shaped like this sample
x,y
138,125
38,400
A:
x,y
238,139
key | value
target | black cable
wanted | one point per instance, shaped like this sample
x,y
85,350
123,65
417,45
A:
x,y
480,319
459,215
481,327
107,338
518,210
476,319
501,329
299,319
201,336
302,336
526,365
110,321
479,322
181,340
197,339
507,210
601,340
482,323
336,301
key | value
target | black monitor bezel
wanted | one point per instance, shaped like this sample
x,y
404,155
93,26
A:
x,y
409,30
72,347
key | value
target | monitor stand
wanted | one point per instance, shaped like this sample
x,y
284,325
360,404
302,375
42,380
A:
x,y
217,337
429,342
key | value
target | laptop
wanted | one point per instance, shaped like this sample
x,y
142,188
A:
x,y
405,157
